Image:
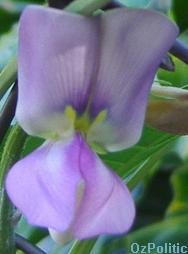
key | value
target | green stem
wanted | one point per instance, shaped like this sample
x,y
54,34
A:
x,y
8,112
86,7
10,155
24,245
8,77
82,246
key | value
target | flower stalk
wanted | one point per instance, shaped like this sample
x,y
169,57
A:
x,y
10,155
8,112
180,51
26,246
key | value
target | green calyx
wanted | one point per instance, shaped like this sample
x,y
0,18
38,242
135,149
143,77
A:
x,y
83,123
69,122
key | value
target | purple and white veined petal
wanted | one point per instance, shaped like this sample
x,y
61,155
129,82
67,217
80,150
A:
x,y
47,185
67,188
57,61
133,44
66,67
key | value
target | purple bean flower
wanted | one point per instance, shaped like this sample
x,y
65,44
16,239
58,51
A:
x,y
83,84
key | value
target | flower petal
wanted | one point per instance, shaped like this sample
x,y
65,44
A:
x,y
133,44
107,206
57,62
47,185
68,189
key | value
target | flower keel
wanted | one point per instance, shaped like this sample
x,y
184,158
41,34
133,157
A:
x,y
67,188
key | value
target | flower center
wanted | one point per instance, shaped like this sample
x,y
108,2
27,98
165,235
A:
x,y
84,122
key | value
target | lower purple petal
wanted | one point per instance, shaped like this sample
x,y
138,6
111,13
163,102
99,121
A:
x,y
44,185
67,188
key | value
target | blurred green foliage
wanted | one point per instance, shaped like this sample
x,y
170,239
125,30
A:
x,y
180,10
10,19
179,78
134,3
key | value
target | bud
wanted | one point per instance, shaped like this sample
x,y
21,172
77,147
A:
x,y
168,109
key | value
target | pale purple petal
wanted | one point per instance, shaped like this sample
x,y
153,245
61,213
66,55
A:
x,y
107,206
67,188
133,44
57,63
107,62
45,185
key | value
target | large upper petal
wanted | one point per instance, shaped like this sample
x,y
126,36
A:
x,y
46,184
107,62
57,61
132,46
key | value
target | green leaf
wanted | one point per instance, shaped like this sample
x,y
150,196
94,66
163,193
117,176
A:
x,y
134,159
82,246
179,204
8,46
31,144
7,19
180,10
33,234
179,78
170,230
